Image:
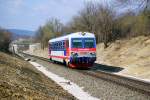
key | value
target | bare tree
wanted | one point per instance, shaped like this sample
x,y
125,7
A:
x,y
104,25
97,19
103,21
51,29
141,4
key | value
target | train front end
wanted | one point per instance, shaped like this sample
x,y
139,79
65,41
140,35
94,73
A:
x,y
83,51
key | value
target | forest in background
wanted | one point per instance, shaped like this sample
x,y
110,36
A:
x,y
103,21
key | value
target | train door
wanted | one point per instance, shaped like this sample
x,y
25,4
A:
x,y
67,47
49,49
66,60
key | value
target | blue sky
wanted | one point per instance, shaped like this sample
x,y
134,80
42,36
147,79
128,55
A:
x,y
30,14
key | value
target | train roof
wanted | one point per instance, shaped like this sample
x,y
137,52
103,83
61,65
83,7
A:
x,y
74,35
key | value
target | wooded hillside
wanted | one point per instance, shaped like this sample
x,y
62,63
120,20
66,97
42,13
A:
x,y
103,21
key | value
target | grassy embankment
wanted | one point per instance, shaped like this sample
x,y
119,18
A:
x,y
131,54
20,80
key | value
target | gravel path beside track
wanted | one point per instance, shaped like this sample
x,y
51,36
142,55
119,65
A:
x,y
96,87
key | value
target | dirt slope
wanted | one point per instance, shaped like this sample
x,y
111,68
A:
x,y
132,54
20,80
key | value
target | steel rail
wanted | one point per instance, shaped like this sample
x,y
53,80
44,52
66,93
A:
x,y
128,82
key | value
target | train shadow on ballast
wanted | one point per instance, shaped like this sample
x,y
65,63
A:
x,y
96,67
106,68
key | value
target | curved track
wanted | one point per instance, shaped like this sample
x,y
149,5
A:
x,y
128,82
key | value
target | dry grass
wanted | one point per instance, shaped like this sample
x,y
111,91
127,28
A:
x,y
132,54
40,52
20,80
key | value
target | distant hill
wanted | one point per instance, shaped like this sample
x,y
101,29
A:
x,y
22,32
19,33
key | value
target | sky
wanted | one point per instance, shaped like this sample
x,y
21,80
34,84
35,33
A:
x,y
30,14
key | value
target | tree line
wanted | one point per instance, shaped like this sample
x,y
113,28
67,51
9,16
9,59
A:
x,y
103,21
5,39
51,29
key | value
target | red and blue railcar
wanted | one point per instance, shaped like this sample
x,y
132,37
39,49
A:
x,y
75,50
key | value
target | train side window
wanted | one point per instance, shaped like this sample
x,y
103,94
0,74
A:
x,y
59,45
50,46
56,45
62,45
53,46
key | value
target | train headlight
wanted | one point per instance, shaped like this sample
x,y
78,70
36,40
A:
x,y
93,54
83,33
73,54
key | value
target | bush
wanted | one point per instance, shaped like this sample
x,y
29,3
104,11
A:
x,y
5,39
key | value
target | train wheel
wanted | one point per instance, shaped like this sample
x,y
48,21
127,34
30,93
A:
x,y
71,66
67,64
55,62
50,59
64,62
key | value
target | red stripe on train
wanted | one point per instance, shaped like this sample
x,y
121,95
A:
x,y
62,57
83,49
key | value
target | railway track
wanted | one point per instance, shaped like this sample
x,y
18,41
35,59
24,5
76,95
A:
x,y
128,82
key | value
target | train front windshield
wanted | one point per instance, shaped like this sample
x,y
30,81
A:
x,y
83,43
89,43
77,43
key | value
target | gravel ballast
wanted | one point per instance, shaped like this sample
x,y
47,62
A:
x,y
96,87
